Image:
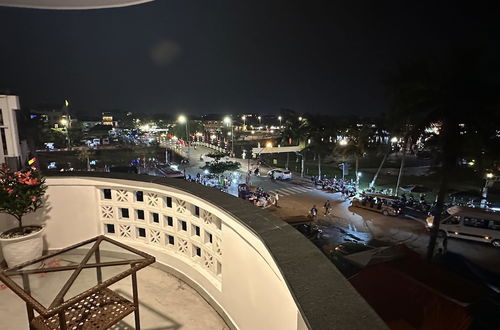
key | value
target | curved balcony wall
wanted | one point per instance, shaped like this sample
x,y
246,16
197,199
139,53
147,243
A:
x,y
256,270
70,4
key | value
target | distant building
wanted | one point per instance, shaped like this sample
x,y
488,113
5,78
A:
x,y
52,116
10,150
107,119
48,115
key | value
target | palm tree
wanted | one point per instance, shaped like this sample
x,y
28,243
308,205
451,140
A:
x,y
84,155
446,93
356,147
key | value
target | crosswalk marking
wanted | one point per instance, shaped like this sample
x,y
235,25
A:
x,y
290,191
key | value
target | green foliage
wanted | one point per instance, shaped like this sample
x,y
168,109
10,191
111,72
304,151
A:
x,y
217,156
21,192
217,167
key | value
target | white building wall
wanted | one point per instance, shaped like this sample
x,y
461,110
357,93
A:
x,y
9,104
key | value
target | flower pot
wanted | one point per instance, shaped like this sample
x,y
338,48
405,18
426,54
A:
x,y
21,249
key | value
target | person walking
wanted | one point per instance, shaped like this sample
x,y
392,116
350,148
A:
x,y
314,212
276,199
327,207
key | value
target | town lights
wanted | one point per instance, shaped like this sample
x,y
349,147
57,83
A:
x,y
300,118
182,119
489,175
343,142
269,145
394,139
64,122
227,120
279,118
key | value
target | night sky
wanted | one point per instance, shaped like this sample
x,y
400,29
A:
x,y
228,56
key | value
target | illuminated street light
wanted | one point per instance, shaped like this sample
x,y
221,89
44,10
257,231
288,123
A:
x,y
343,142
65,122
244,118
269,145
228,122
484,192
394,139
279,118
300,118
183,120
260,119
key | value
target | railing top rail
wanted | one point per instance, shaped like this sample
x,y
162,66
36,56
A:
x,y
324,297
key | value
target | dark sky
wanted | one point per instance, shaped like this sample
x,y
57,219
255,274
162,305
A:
x,y
226,56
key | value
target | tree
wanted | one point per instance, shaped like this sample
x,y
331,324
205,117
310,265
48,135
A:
x,y
449,93
356,147
84,155
218,167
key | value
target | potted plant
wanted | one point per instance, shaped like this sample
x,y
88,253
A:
x,y
21,192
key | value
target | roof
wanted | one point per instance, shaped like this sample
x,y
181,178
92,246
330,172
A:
x,y
409,293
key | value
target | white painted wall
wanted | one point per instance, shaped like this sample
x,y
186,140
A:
x,y
251,290
9,104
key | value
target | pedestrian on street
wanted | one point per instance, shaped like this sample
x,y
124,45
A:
x,y
314,212
276,199
327,207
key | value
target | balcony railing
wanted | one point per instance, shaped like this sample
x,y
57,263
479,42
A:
x,y
254,269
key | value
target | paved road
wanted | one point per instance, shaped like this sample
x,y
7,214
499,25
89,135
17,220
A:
x,y
347,223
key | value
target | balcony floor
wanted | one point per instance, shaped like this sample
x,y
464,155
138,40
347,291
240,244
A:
x,y
166,303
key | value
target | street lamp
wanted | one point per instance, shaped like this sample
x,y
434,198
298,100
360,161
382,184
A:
x,y
484,192
279,118
227,120
244,118
300,118
260,119
65,122
343,142
183,120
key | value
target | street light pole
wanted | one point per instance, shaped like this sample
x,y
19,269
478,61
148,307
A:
x,y
228,122
484,192
183,120
232,140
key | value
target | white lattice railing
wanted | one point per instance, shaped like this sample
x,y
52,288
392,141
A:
x,y
177,227
220,252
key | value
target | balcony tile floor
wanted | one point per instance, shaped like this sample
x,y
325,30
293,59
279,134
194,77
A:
x,y
166,303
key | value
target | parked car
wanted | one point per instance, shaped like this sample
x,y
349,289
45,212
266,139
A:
x,y
385,204
280,174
